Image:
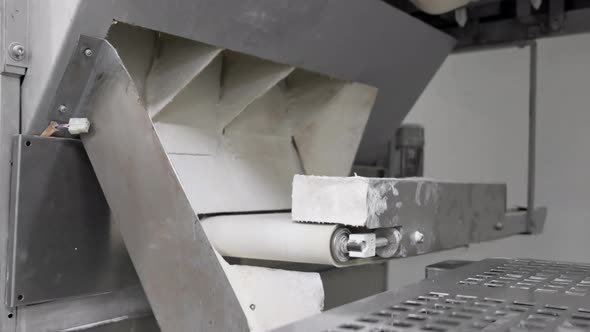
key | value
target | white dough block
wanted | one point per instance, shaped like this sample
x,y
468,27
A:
x,y
368,202
390,202
323,199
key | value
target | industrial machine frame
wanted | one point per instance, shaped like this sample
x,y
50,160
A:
x,y
290,32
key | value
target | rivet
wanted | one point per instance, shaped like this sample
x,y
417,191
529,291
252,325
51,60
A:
x,y
16,51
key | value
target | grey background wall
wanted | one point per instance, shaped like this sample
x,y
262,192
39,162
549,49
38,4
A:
x,y
475,113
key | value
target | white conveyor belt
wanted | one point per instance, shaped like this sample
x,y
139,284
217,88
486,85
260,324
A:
x,y
272,236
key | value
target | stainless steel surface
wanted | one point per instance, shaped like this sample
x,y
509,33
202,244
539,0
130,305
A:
x,y
63,241
178,269
342,286
15,36
84,312
491,295
80,75
368,38
515,222
9,126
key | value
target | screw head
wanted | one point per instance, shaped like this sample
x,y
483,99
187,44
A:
x,y
417,237
62,108
88,52
252,307
16,51
498,226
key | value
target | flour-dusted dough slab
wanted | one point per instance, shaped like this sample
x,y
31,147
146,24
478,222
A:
x,y
390,202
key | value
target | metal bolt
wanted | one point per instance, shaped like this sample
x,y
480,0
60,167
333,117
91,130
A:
x,y
417,237
16,51
356,246
252,306
88,52
62,108
381,242
498,226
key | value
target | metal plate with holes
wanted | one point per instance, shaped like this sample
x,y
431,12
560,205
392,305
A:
x,y
491,295
62,241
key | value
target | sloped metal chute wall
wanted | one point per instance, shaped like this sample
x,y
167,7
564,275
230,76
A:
x,y
367,42
237,128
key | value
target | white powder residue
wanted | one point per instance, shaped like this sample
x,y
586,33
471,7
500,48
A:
x,y
431,192
330,200
377,199
417,195
394,189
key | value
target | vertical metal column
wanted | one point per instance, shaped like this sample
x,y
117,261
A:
x,y
531,227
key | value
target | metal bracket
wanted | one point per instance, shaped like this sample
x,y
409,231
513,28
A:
x,y
62,240
15,36
184,282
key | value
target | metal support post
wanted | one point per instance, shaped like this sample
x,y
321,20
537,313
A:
x,y
531,226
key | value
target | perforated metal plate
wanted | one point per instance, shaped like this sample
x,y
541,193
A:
x,y
539,276
491,295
